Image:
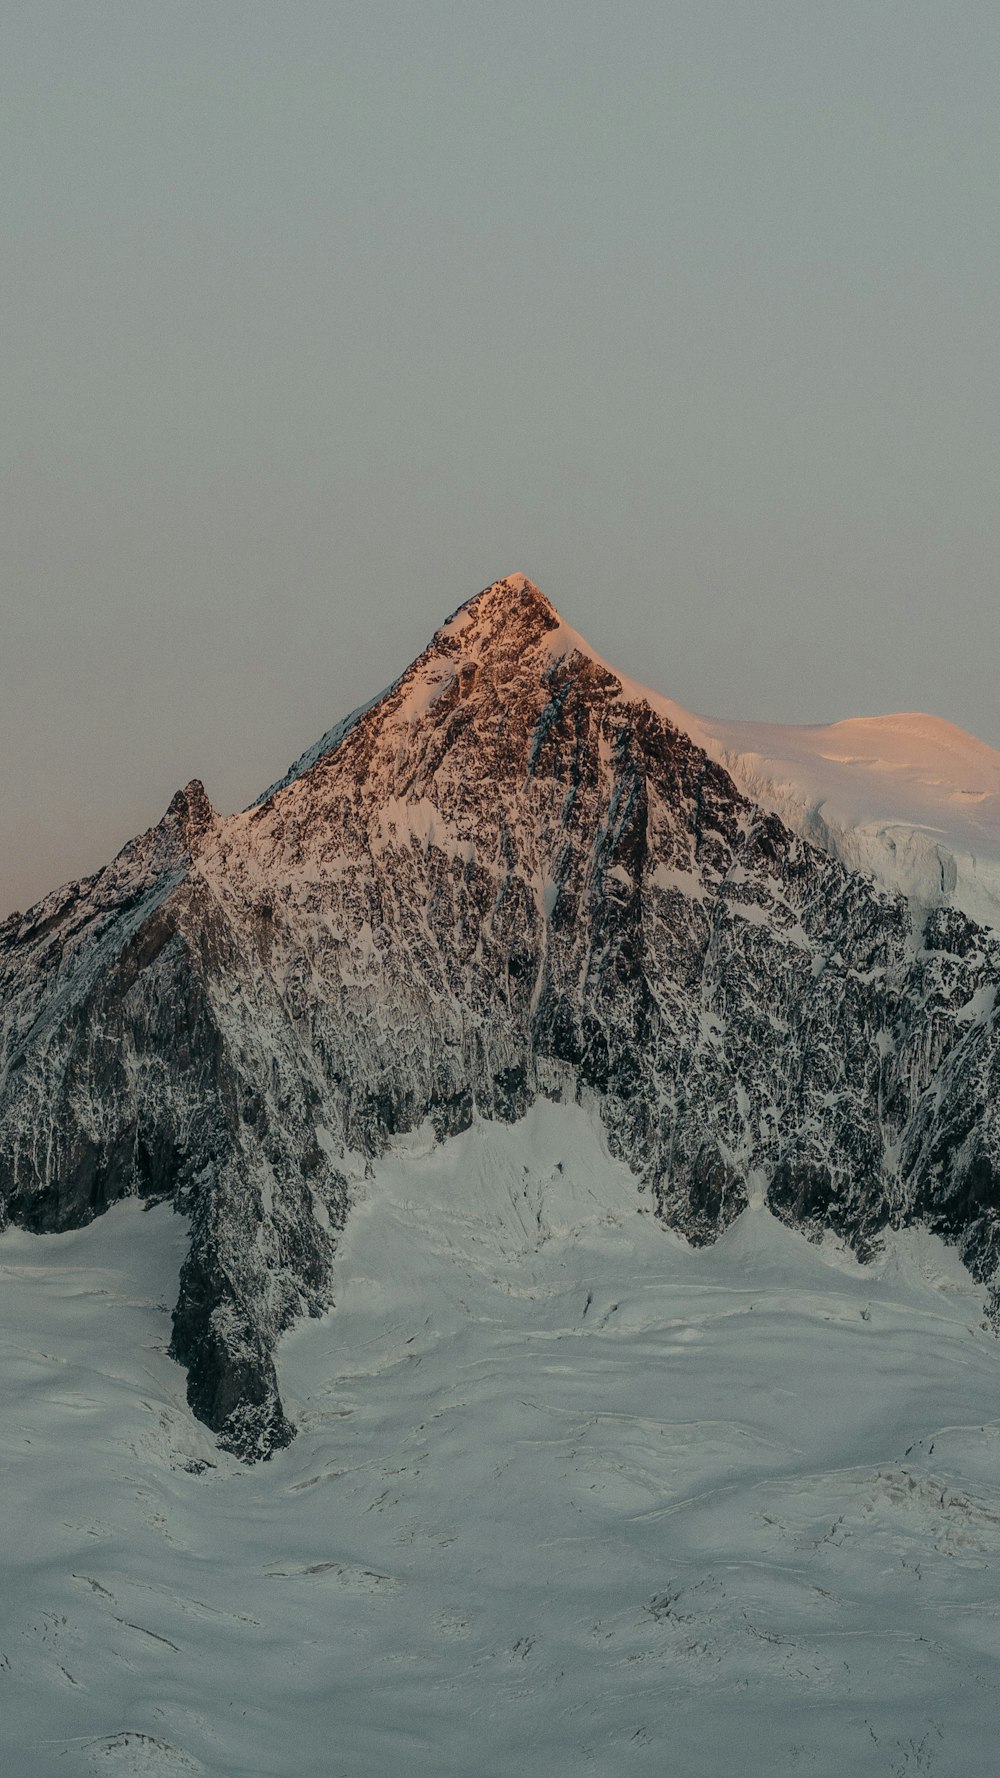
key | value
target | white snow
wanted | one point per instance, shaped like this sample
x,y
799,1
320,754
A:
x,y
910,799
327,743
568,1497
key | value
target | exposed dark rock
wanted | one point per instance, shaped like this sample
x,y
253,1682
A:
x,y
510,875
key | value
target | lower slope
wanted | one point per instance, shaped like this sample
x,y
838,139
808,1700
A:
x,y
568,1496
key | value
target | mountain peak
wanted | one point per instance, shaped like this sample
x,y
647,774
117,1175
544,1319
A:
x,y
511,603
191,810
189,816
510,622
178,835
514,878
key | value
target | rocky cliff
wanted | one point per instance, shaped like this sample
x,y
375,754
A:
x,y
513,874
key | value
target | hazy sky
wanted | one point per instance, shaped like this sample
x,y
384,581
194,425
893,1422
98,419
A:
x,y
318,317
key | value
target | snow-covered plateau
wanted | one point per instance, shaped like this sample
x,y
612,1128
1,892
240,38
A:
x,y
568,1496
909,798
561,1135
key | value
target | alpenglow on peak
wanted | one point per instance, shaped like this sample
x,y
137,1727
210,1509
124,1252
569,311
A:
x,y
513,603
514,876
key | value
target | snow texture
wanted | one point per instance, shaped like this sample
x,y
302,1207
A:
x,y
569,1496
909,798
514,877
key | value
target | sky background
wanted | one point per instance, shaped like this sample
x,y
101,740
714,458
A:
x,y
316,318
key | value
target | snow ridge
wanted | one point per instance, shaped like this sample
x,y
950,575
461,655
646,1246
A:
x,y
515,876
911,799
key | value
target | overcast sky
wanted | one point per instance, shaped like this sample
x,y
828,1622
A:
x,y
317,317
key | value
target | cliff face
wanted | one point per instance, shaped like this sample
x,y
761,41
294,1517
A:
x,y
511,875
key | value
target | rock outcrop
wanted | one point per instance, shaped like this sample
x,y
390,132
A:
x,y
510,875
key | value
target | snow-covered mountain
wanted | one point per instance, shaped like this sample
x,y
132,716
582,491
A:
x,y
909,798
515,876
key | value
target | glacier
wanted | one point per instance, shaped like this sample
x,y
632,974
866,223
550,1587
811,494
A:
x,y
568,1495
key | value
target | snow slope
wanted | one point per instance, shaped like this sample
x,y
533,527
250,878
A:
x,y
910,798
513,863
568,1497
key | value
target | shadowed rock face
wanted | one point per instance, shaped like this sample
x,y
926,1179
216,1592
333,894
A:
x,y
509,876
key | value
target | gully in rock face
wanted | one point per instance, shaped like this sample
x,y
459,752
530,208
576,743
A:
x,y
513,874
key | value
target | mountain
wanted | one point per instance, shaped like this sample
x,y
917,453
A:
x,y
514,876
909,798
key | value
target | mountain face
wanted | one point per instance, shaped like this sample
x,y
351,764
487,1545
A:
x,y
513,875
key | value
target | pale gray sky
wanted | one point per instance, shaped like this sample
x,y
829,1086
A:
x,y
317,317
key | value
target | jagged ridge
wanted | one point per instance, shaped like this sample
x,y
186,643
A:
x,y
510,875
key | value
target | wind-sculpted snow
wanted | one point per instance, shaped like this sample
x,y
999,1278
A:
x,y
569,1497
910,799
511,876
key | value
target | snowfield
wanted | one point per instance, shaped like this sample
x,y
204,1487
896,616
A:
x,y
909,798
568,1497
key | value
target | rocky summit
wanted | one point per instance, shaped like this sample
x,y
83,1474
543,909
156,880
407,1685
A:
x,y
513,875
